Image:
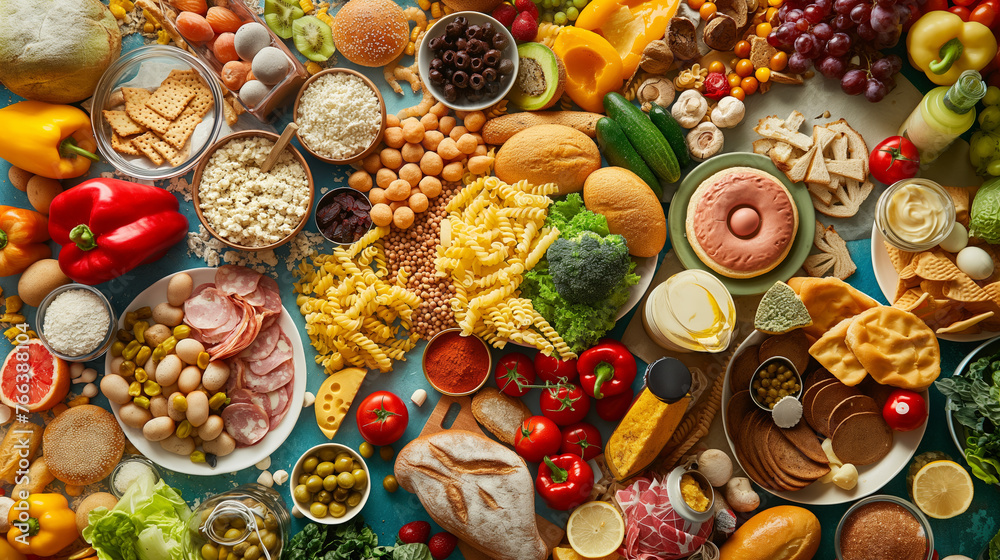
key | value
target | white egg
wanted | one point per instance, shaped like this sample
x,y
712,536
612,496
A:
x,y
975,262
957,557
957,240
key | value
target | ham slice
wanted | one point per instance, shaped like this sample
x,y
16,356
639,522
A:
x,y
237,280
273,380
246,423
208,310
272,295
278,402
281,352
263,344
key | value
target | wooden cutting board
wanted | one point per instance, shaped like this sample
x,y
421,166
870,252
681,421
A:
x,y
551,533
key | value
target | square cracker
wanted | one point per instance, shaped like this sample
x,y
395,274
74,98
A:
x,y
135,95
170,98
167,151
145,116
202,101
180,130
124,145
144,143
121,124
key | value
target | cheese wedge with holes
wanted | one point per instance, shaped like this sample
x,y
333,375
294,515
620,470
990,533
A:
x,y
335,397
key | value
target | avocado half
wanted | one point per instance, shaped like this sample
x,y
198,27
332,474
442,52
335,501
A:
x,y
541,78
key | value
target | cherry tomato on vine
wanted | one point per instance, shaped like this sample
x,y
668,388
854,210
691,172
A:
x,y
513,370
537,437
382,418
614,408
894,159
581,439
551,369
565,404
984,14
905,410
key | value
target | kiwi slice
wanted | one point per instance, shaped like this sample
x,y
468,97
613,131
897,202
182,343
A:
x,y
541,78
313,38
279,15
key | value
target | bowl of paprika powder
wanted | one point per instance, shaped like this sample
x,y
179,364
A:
x,y
456,365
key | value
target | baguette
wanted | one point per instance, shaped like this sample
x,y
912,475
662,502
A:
x,y
500,414
778,533
20,436
36,480
499,130
477,489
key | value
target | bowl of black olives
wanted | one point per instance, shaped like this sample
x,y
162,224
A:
x,y
468,61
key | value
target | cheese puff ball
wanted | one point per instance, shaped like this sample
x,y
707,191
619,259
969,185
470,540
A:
x,y
360,180
403,217
381,214
398,190
418,202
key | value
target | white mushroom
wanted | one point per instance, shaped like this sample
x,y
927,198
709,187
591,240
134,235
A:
x,y
740,495
656,90
690,108
5,505
704,141
728,113
716,466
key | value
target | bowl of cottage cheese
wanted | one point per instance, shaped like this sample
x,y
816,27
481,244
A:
x,y
240,204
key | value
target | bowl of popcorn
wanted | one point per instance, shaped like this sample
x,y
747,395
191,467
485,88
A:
x,y
340,115
242,204
156,112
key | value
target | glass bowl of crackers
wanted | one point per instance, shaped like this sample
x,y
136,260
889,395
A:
x,y
156,112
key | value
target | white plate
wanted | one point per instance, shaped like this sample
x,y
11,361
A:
x,y
870,477
886,276
645,267
243,457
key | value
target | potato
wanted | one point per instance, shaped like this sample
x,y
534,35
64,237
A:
x,y
114,368
220,446
19,178
39,279
41,191
156,334
197,412
216,375
188,349
168,370
168,314
176,445
189,380
115,388
134,416
211,428
179,289
159,429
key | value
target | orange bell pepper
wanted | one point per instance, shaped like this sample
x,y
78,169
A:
x,y
629,25
22,236
593,67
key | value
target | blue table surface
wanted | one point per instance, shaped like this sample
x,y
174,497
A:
x,y
965,534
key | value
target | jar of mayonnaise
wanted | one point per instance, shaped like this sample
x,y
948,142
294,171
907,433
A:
x,y
915,214
692,311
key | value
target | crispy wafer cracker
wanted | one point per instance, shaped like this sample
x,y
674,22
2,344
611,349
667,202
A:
x,y
935,265
121,124
829,300
961,197
966,325
910,300
934,288
832,352
123,145
202,101
180,130
899,258
895,347
144,142
964,289
170,99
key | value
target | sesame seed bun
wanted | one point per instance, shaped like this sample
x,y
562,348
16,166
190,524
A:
x,y
83,445
371,32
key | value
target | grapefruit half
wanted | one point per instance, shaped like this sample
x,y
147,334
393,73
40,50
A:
x,y
47,382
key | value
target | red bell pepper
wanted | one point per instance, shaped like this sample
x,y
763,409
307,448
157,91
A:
x,y
108,227
564,481
606,370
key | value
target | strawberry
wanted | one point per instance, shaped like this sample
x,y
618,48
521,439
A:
x,y
505,14
415,532
524,28
442,545
527,6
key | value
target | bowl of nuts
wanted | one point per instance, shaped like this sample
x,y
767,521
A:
x,y
469,61
330,483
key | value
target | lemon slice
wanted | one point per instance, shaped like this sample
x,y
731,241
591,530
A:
x,y
595,529
942,489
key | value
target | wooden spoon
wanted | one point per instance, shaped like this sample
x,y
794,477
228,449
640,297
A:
x,y
283,140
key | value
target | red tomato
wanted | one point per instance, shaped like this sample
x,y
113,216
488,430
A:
x,y
537,437
894,159
382,418
915,14
963,2
984,14
581,439
960,11
513,370
614,408
565,405
905,410
550,368
934,6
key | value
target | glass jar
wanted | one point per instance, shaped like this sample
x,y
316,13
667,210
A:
x,y
250,522
883,521
915,214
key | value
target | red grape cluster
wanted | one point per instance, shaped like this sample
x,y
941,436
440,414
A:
x,y
828,33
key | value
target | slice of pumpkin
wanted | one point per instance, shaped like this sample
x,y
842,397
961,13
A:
x,y
541,78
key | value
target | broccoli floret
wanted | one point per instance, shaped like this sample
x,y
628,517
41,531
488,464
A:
x,y
571,218
585,268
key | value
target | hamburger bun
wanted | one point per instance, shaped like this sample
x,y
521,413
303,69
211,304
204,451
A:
x,y
83,445
778,533
89,504
485,6
631,208
371,32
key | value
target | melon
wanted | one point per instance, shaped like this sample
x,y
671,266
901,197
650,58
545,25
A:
x,y
31,370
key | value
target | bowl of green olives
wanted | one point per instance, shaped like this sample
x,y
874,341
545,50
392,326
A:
x,y
775,379
330,483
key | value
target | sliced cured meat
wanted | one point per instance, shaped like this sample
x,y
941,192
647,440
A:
x,y
268,321
237,371
237,280
651,530
279,400
263,344
272,295
271,381
208,310
282,351
237,396
256,298
218,334
242,336
246,423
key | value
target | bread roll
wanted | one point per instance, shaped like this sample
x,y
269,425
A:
x,y
89,504
548,153
497,131
83,445
370,32
485,6
500,414
20,436
477,489
631,208
778,533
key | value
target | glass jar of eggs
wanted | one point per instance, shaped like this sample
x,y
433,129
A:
x,y
247,523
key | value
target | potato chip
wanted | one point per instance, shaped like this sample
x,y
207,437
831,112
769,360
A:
x,y
966,324
934,265
829,300
895,347
899,258
831,352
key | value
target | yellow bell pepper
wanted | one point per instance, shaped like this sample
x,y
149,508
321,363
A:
x,y
593,67
9,553
54,141
943,46
47,526
629,25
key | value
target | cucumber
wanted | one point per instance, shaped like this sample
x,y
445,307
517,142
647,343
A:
x,y
618,151
644,137
672,131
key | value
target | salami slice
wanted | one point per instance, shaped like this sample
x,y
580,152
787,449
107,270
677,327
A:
x,y
256,298
238,396
237,372
282,351
269,320
207,310
246,423
242,336
277,402
272,295
289,389
273,380
263,344
237,280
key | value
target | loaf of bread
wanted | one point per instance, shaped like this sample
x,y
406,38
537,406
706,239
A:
x,y
477,489
500,414
548,153
499,130
21,436
631,208
778,533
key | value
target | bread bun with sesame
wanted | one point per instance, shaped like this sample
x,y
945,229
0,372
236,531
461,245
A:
x,y
82,445
371,32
